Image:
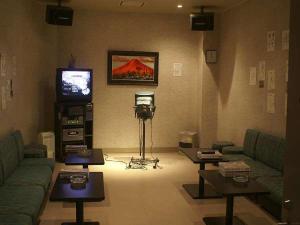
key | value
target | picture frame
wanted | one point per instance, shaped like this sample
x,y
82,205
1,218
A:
x,y
132,68
211,56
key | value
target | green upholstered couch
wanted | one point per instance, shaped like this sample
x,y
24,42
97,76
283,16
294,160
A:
x,y
264,154
23,181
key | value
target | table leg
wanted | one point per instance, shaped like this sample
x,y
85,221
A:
x,y
201,181
201,190
79,213
229,210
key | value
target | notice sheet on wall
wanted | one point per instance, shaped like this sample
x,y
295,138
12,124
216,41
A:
x,y
177,69
253,78
271,41
3,65
285,39
271,80
3,98
271,103
262,70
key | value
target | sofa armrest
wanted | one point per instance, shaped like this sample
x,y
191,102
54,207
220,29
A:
x,y
35,151
219,145
232,150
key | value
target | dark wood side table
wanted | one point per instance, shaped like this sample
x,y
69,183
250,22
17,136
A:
x,y
95,158
200,190
93,192
229,188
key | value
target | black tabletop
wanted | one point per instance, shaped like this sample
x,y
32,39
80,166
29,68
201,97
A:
x,y
191,153
95,158
93,192
227,186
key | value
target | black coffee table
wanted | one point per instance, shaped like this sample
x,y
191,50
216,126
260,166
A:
x,y
93,192
229,188
95,158
200,190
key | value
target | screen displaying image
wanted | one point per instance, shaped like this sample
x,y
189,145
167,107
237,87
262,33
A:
x,y
76,83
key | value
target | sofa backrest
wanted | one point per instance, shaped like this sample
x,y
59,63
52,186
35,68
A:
x,y
250,141
9,157
20,143
269,150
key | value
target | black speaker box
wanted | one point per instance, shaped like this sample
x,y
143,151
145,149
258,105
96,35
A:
x,y
202,21
59,15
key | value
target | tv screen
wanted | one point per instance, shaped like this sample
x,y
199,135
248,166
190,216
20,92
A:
x,y
74,84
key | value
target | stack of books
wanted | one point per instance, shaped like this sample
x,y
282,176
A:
x,y
67,173
209,154
75,148
232,169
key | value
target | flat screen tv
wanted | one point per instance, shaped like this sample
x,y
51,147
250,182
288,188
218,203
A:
x,y
74,85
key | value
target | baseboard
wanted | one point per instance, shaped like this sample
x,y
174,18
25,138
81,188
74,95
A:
x,y
135,150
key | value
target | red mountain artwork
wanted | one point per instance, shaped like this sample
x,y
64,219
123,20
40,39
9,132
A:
x,y
133,69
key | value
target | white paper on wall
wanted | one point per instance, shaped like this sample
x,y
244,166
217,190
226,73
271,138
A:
x,y
271,103
14,66
177,69
271,41
3,98
3,65
253,78
285,39
271,80
262,70
287,70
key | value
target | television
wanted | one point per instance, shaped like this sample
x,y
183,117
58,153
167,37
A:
x,y
74,85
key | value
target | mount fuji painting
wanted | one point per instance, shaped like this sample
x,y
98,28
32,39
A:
x,y
133,68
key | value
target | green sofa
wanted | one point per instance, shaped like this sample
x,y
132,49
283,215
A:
x,y
264,154
23,181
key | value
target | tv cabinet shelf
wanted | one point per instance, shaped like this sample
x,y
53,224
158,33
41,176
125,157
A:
x,y
79,133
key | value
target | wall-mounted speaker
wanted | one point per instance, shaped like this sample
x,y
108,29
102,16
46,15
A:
x,y
59,15
202,21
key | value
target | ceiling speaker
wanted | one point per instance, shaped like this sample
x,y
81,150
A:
x,y
202,21
59,15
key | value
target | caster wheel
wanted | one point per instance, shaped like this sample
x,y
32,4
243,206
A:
x,y
154,167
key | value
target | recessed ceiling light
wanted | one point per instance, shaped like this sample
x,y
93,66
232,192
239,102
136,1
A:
x,y
179,6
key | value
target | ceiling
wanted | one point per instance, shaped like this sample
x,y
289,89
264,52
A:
x,y
150,6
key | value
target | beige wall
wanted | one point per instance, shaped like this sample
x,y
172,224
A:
x,y
25,35
242,45
89,39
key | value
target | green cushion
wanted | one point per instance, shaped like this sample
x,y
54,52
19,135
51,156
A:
x,y
237,157
8,155
31,175
259,169
278,158
232,150
20,143
219,145
275,186
250,142
25,200
268,151
38,162
14,219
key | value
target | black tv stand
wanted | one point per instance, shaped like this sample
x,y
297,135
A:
x,y
73,126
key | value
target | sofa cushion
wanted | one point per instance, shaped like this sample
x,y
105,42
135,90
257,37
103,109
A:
x,y
268,151
25,200
232,150
20,143
9,157
38,162
275,185
14,219
259,169
237,157
250,142
31,175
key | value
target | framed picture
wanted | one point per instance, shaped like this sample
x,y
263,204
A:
x,y
211,56
132,67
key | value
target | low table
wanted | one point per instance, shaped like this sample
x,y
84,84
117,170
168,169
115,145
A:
x,y
229,188
93,192
95,158
200,190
